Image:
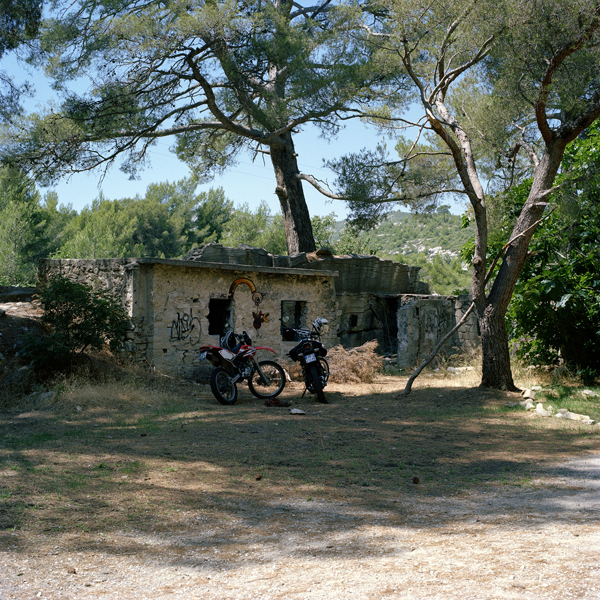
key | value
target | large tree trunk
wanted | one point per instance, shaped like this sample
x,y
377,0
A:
x,y
296,219
496,372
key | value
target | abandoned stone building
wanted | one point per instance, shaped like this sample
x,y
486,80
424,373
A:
x,y
176,306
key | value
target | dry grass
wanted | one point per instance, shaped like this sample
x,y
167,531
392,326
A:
x,y
147,469
357,365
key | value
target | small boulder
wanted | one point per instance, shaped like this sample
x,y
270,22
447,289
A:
x,y
563,413
527,404
541,411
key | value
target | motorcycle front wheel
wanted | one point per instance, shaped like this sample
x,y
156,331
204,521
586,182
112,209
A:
x,y
224,390
274,383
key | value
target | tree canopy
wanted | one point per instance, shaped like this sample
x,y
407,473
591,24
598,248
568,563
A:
x,y
219,77
19,22
555,312
503,87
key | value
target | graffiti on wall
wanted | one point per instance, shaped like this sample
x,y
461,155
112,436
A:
x,y
186,327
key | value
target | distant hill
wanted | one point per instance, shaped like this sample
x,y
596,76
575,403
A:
x,y
432,242
405,233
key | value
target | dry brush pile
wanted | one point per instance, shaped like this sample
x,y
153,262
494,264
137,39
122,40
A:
x,y
357,365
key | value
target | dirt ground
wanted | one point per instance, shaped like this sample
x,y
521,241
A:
x,y
137,490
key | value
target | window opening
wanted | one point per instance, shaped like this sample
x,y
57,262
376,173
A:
x,y
293,315
219,316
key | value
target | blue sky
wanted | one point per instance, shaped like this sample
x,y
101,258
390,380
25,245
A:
x,y
248,181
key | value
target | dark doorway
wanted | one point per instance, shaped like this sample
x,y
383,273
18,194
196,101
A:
x,y
219,316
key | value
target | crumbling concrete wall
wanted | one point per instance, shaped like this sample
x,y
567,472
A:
x,y
424,320
357,273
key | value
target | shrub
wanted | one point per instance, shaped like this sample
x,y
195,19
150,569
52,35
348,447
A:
x,y
77,318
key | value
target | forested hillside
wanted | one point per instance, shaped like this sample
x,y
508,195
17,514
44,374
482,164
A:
x,y
432,242
407,234
172,218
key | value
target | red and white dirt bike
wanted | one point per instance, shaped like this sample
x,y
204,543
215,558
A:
x,y
235,361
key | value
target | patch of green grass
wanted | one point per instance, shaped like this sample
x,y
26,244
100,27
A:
x,y
572,398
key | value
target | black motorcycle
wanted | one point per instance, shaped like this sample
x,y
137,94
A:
x,y
310,353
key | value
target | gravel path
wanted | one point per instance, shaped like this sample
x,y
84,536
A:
x,y
539,541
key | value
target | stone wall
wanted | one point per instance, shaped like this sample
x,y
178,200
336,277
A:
x,y
117,275
177,306
424,320
183,301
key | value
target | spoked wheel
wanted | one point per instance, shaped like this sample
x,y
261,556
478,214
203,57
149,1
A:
x,y
273,383
224,390
317,384
325,368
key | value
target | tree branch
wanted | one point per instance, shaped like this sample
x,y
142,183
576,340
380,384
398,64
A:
x,y
461,322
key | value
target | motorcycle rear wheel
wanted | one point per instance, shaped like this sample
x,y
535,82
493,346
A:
x,y
317,384
223,389
272,388
325,368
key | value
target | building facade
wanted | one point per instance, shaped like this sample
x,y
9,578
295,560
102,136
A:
x,y
176,306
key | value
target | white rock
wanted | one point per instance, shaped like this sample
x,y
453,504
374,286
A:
x,y
589,393
459,369
541,411
536,388
563,413
297,411
528,394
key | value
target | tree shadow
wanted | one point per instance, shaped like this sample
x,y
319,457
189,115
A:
x,y
208,484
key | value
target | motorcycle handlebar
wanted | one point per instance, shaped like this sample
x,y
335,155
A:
x,y
304,333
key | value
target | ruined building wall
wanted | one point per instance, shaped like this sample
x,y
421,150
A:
x,y
424,320
116,275
191,307
177,306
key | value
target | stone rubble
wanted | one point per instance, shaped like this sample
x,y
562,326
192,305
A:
x,y
563,413
458,370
